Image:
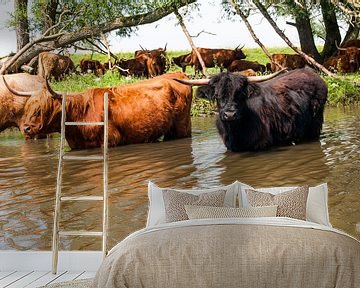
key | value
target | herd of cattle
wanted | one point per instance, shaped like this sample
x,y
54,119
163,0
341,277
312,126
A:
x,y
151,63
254,112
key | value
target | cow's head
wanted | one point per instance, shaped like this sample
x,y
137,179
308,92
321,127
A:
x,y
42,111
353,54
238,53
230,90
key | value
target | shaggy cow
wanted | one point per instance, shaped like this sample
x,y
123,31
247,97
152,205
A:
x,y
138,113
182,61
288,61
12,106
212,57
253,116
91,66
156,64
55,65
347,60
241,65
135,67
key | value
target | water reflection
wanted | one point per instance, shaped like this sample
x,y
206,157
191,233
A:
x,y
28,178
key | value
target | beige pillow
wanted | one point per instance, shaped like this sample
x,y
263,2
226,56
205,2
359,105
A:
x,y
175,201
290,204
201,212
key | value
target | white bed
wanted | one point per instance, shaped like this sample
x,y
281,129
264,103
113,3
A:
x,y
234,252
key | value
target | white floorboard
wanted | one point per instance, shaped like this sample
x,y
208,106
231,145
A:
x,y
46,279
5,274
68,276
12,278
28,279
31,269
87,275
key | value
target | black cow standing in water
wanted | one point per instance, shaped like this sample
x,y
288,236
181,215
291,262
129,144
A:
x,y
285,110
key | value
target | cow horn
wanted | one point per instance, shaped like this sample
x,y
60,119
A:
x,y
17,93
52,92
165,46
264,78
339,48
142,48
240,47
197,82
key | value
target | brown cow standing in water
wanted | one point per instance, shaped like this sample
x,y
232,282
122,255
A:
x,y
12,106
138,113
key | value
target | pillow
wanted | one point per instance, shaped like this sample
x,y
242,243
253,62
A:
x,y
156,213
316,206
290,203
201,212
175,201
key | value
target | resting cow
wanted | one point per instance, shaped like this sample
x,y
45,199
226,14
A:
x,y
12,106
216,57
91,66
288,61
55,65
253,116
241,65
346,61
138,113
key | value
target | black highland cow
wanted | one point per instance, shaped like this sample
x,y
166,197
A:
x,y
254,116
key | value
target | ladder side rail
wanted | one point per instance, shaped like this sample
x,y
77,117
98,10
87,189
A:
x,y
55,240
105,174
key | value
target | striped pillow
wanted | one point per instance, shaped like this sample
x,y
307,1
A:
x,y
201,212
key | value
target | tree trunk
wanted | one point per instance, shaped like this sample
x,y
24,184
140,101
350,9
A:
x,y
252,32
191,42
22,25
309,59
303,26
333,36
51,42
352,32
50,7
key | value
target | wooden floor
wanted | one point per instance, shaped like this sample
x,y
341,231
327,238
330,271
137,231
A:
x,y
32,268
32,279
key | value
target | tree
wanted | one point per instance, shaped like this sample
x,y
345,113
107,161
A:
x,y
307,13
21,23
79,20
191,42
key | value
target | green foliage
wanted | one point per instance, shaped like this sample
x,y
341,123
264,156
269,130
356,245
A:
x,y
202,107
343,92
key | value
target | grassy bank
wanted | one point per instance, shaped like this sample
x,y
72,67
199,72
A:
x,y
340,92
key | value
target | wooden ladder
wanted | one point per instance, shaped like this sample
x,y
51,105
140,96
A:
x,y
59,199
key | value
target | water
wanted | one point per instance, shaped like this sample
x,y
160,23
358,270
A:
x,y
28,179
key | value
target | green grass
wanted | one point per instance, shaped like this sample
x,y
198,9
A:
x,y
340,92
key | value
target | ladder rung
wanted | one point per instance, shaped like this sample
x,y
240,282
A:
x,y
66,157
80,233
82,198
84,123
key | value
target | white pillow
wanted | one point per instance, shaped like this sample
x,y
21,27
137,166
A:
x,y
156,213
316,206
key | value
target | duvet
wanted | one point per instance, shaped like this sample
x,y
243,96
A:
x,y
237,252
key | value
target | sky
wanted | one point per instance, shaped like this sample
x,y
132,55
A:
x,y
228,34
